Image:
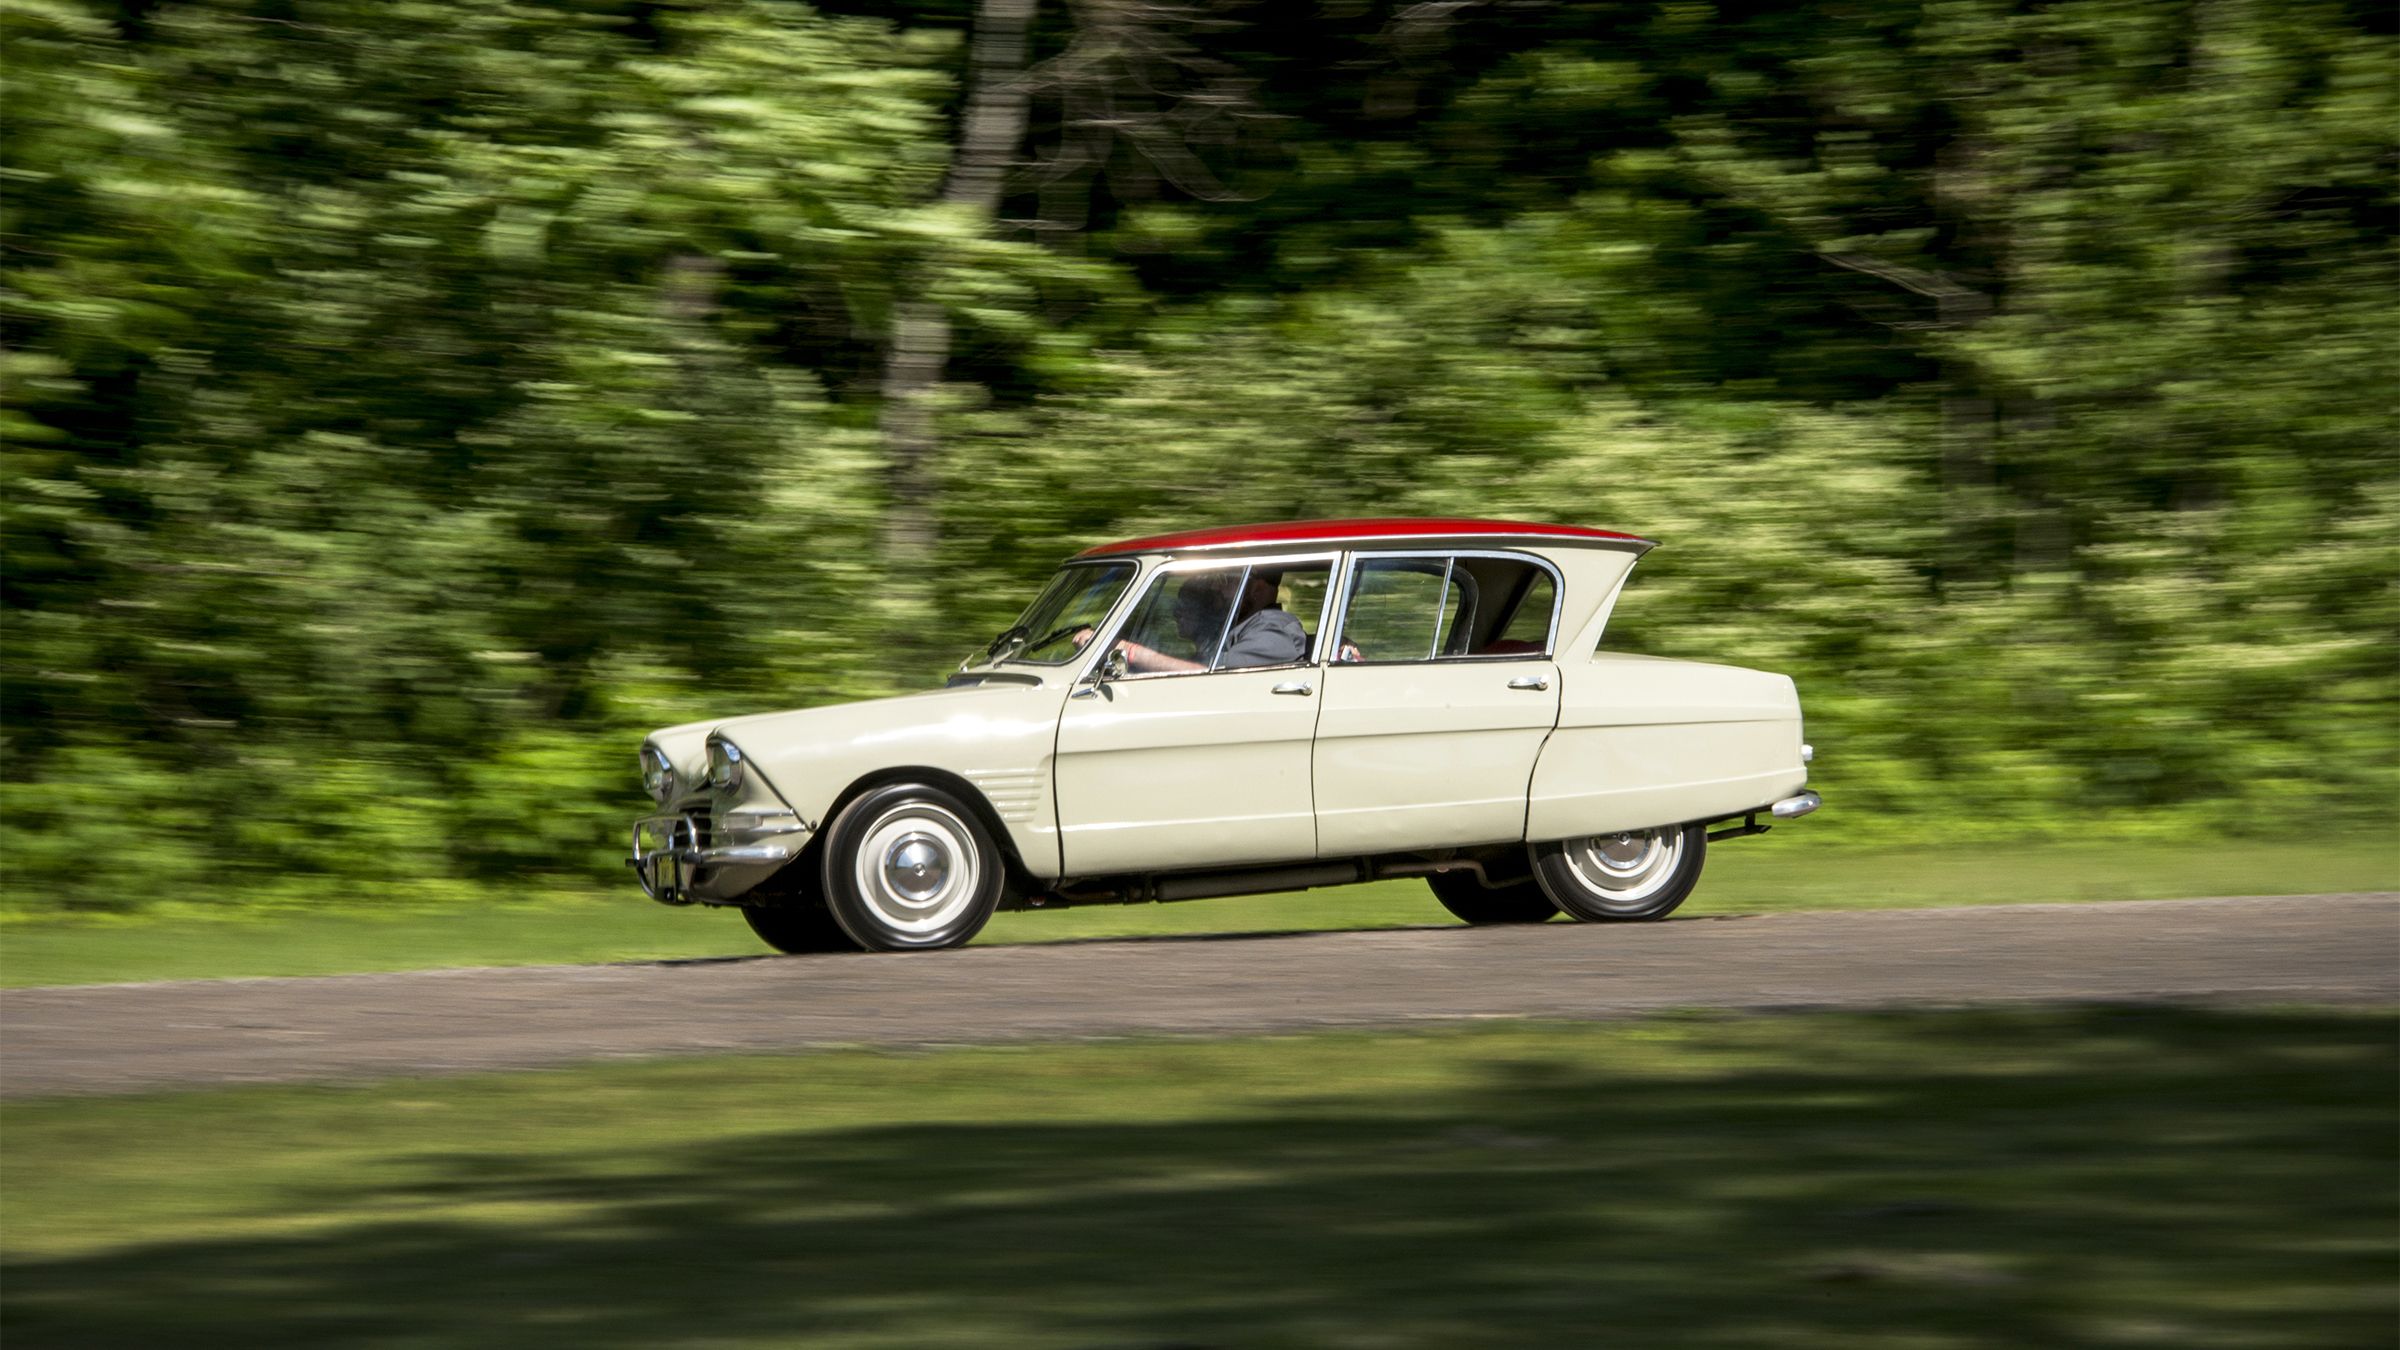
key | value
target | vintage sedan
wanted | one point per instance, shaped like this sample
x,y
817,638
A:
x,y
1238,711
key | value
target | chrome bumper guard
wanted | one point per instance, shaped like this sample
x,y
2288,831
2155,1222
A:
x,y
669,857
1792,808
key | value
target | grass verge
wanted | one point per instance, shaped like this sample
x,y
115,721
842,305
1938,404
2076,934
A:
x,y
2080,1177
1783,872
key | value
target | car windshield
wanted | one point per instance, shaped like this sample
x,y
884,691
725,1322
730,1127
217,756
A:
x,y
1073,604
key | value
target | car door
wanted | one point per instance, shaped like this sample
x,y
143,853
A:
x,y
1436,703
1163,769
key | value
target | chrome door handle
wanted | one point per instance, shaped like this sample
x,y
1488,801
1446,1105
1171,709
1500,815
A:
x,y
1295,688
1530,682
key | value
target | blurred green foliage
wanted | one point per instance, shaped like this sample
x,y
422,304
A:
x,y
408,404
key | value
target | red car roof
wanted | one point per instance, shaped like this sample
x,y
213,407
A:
x,y
1358,531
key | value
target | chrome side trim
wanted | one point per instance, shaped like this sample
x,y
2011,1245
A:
x,y
745,853
764,822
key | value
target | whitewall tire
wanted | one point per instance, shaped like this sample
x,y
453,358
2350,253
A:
x,y
910,867
1624,877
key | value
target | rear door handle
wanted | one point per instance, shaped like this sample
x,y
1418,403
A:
x,y
1295,688
1529,682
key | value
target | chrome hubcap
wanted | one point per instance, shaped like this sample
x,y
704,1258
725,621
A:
x,y
1624,870
915,869
1624,855
918,869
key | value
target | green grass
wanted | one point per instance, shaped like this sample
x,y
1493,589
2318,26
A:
x,y
1788,870
2056,1178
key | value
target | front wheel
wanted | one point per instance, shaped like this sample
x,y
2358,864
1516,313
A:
x,y
1624,877
909,866
799,928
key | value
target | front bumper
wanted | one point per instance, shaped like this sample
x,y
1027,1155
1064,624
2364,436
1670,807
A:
x,y
678,860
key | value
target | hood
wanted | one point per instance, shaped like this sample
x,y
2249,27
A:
x,y
886,725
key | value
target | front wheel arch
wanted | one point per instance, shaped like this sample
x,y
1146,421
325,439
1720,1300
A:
x,y
1020,879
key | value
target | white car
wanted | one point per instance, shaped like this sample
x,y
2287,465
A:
x,y
1236,711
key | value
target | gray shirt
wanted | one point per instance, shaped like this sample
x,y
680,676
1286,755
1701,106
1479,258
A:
x,y
1270,637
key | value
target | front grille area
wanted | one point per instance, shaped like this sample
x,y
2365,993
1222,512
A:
x,y
674,832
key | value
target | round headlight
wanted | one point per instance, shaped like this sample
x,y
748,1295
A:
x,y
724,766
658,776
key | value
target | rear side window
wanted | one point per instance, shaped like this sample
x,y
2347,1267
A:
x,y
1532,601
1434,608
1404,609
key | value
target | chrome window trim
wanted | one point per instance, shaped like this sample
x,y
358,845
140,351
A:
x,y
1337,599
1233,605
1441,606
1558,597
1144,580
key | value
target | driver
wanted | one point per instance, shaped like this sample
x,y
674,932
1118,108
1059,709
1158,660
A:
x,y
1263,633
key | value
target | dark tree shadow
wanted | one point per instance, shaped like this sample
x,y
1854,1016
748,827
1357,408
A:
x,y
2234,1185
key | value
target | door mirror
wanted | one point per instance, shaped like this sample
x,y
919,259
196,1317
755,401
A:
x,y
1095,685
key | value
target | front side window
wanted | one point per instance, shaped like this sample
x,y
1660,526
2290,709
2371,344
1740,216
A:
x,y
1074,603
1237,617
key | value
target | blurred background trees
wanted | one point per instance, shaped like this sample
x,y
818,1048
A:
x,y
410,402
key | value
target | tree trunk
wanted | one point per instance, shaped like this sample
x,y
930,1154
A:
x,y
990,129
1963,193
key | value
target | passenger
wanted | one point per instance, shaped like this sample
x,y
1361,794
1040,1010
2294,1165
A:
x,y
1263,633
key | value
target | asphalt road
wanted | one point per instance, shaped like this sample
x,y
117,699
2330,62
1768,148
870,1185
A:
x,y
122,1038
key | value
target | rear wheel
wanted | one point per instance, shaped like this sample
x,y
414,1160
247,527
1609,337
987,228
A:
x,y
1467,897
909,866
1625,877
801,927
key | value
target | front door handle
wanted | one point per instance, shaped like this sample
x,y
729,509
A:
x,y
1296,688
1530,682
